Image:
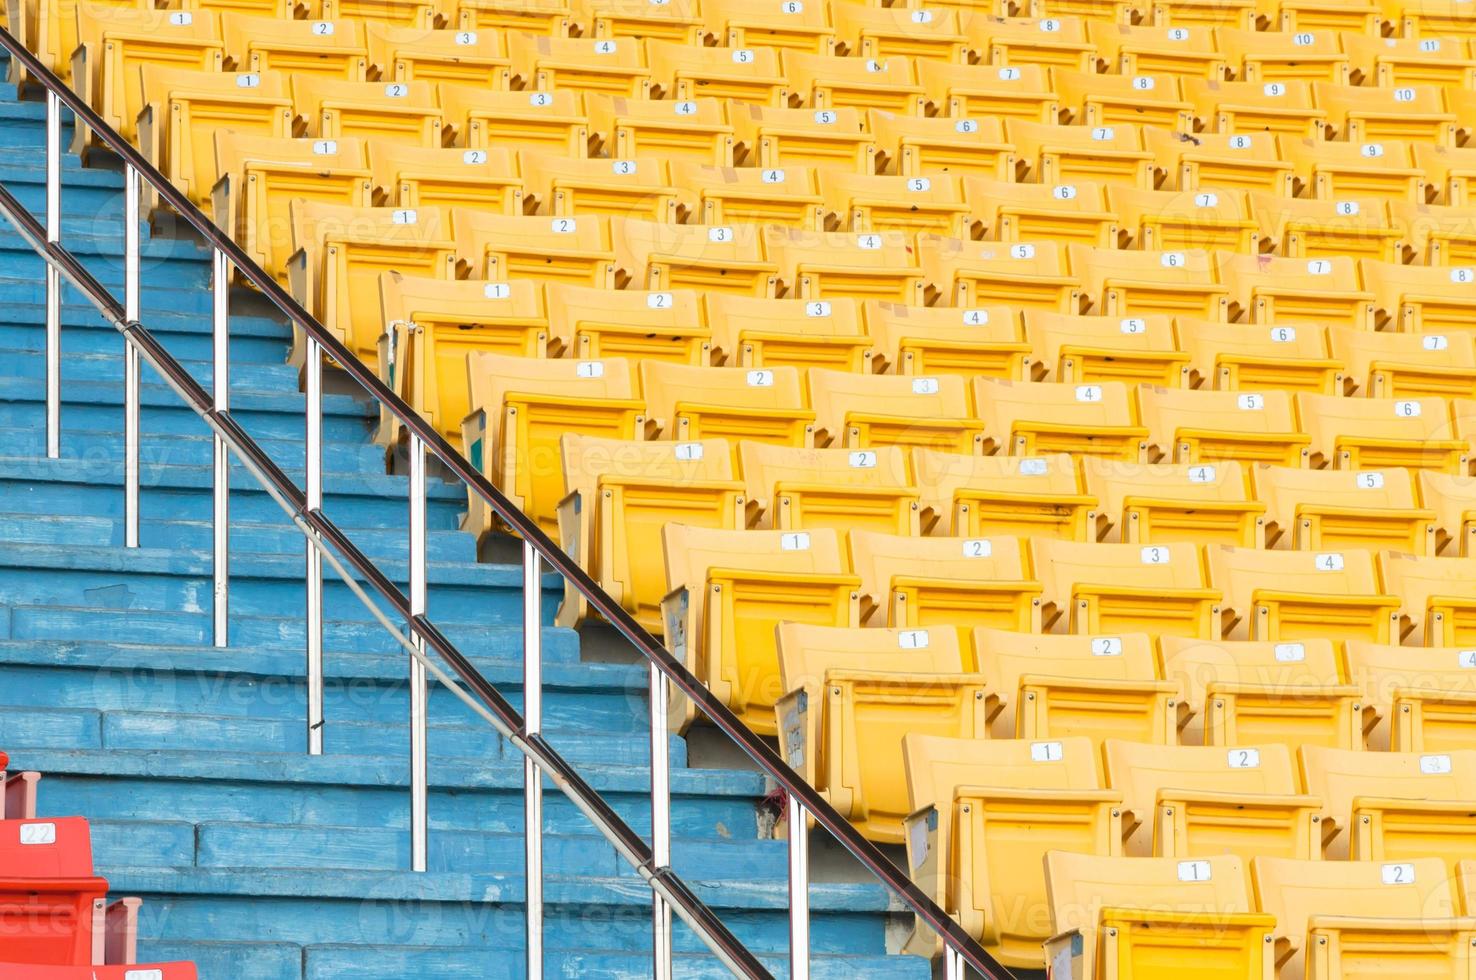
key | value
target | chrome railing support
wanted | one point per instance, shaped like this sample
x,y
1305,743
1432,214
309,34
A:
x,y
660,823
131,191
419,695
532,774
53,277
799,891
313,580
220,456
953,964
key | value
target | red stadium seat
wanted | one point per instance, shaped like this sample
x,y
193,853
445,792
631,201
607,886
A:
x,y
139,971
50,901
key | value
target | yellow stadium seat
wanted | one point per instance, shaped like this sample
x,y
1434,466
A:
x,y
1406,365
339,253
707,258
977,342
640,19
945,582
1410,60
629,187
911,146
1331,170
1115,100
1293,228
1009,212
884,32
609,66
1197,800
114,43
1143,283
1381,806
1082,349
690,403
1203,13
827,82
49,29
728,592
988,91
1044,686
1263,692
1419,299
1424,696
333,48
618,496
692,129
1150,50
1283,108
482,119
592,323
1285,56
1298,595
1364,114
793,489
408,175
972,274
280,9
1364,918
866,265
1448,173
431,325
786,24
1099,588
413,14
1148,918
413,54
520,409
773,138
1430,18
984,816
1206,503
184,109
1180,220
1053,155
752,332
1266,289
867,411
1356,16
551,17
261,177
1025,495
1315,510
1436,235
332,109
850,697
747,195
1030,41
1258,356
1438,594
875,202
685,71
562,249
1203,426
1023,419
1362,433
1453,499
1220,161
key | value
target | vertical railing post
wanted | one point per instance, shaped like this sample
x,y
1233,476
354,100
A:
x,y
419,700
131,361
532,773
53,277
313,624
221,518
660,823
799,891
953,964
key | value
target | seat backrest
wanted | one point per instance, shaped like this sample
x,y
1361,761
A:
x,y
1239,572
1000,404
1416,579
1098,268
887,252
1166,411
1326,418
570,306
807,653
1206,340
731,315
1004,657
1113,481
1032,138
588,458
315,223
424,300
1283,489
494,376
878,558
479,232
1060,565
940,476
833,394
392,161
892,324
1139,771
1080,885
1339,776
936,765
638,242
1208,95
1195,664
667,385
765,465
59,847
1340,100
1381,669
691,551
235,151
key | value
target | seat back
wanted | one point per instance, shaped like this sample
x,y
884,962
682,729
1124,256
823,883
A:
x,y
411,175
767,467
837,395
325,47
565,249
1195,664
760,332
640,324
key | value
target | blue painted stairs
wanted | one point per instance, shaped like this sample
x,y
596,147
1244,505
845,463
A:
x,y
255,860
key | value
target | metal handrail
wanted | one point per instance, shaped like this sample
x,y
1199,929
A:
x,y
961,949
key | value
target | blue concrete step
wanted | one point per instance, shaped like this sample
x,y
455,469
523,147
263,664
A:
x,y
254,340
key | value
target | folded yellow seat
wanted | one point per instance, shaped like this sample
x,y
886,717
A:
x,y
1405,365
797,25
1437,598
1453,499
915,146
575,250
407,54
1311,510
969,342
685,71
1265,692
618,496
747,195
1050,154
1447,173
329,108
521,408
551,17
875,202
827,82
695,130
1435,235
1363,114
1009,212
608,66
640,20
480,119
1180,220
1283,108
1331,170
1150,503
1119,282
1267,289
1413,59
1299,595
1024,419
48,29
413,14
1032,41
1186,801
1013,91
659,325
1135,100
1285,56
864,265
1041,496
867,411
748,331
1354,227
689,403
850,697
710,258
1191,52
984,815
1352,16
1218,161
796,489
1424,697
1362,433
776,138
1258,356
332,48
409,175
727,593
1202,426
1085,590
930,33
1239,14
1073,349
636,187
1429,18
945,582
1024,275
432,325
